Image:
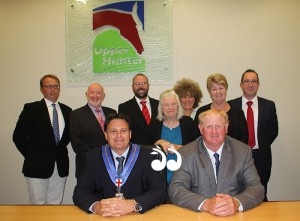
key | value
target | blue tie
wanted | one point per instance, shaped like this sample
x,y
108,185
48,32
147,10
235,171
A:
x,y
55,125
120,166
217,163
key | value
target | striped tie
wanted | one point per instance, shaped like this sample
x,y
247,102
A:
x,y
145,112
217,162
120,166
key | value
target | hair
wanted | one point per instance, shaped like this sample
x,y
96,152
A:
x,y
161,116
222,113
140,75
188,86
249,70
217,79
48,76
115,116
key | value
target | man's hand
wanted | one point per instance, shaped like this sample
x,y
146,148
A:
x,y
221,205
113,207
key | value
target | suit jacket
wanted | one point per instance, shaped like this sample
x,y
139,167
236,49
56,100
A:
x,y
195,181
34,138
144,185
189,130
267,131
86,133
238,128
141,132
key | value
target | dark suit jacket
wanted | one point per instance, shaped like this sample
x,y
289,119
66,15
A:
x,y
195,180
267,131
141,132
144,185
189,130
238,128
86,133
34,138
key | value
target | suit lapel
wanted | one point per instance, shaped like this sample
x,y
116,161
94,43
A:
x,y
92,117
137,110
224,166
260,114
204,156
45,115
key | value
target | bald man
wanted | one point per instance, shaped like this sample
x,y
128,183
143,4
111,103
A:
x,y
86,130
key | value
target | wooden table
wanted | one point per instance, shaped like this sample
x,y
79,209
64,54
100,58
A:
x,y
273,211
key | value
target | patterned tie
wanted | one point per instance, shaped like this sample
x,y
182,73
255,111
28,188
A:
x,y
217,163
120,166
145,112
250,123
99,118
55,125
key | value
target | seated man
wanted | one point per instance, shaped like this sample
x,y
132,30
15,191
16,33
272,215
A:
x,y
118,178
217,174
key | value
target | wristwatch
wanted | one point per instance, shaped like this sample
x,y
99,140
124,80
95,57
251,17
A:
x,y
137,207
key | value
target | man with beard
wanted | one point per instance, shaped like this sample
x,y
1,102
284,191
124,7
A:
x,y
86,125
141,109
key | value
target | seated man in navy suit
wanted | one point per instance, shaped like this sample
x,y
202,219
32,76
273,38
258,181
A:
x,y
117,178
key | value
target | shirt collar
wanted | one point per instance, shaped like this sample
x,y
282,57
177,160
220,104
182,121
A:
x,y
211,153
49,103
245,100
138,100
94,108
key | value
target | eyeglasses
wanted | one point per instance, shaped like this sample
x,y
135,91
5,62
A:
x,y
140,83
254,82
51,86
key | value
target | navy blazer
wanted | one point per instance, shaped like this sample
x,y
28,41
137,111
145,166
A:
x,y
144,185
86,133
141,132
34,138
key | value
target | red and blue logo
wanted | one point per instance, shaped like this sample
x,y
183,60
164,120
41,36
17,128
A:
x,y
118,46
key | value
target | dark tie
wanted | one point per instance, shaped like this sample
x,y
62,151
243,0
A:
x,y
55,125
120,166
99,118
250,124
145,112
217,163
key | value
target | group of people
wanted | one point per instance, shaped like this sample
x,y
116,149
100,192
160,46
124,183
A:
x,y
226,161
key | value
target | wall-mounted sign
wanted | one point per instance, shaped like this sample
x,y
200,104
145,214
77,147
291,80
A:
x,y
111,41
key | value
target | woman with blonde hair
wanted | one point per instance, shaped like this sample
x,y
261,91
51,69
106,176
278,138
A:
x,y
217,87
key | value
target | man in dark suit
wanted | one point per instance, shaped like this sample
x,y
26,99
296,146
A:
x,y
86,130
42,135
217,174
117,178
141,132
265,124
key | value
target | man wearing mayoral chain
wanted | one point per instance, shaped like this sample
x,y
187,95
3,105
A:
x,y
118,178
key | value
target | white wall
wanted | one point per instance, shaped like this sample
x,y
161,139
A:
x,y
209,36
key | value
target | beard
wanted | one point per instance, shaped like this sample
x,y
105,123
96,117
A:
x,y
141,93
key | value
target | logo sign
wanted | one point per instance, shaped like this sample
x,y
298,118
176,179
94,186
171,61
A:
x,y
110,41
172,165
118,47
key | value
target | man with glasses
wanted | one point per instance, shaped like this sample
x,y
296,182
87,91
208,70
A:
x,y
141,109
42,135
264,126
